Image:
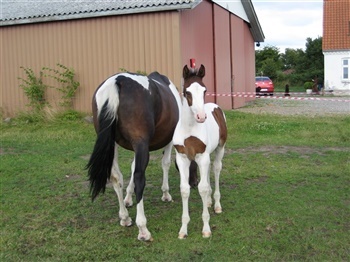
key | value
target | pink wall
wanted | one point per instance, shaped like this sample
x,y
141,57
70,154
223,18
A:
x,y
238,59
249,52
197,41
222,47
223,43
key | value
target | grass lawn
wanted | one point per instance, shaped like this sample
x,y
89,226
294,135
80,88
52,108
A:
x,y
285,188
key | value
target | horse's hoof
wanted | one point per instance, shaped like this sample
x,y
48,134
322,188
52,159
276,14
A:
x,y
126,222
182,235
206,234
145,238
218,210
167,198
128,203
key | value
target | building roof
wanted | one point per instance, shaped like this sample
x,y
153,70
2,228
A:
x,y
34,11
336,25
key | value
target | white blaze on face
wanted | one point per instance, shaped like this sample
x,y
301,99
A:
x,y
197,92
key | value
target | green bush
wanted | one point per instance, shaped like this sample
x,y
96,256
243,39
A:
x,y
308,85
34,89
68,86
69,115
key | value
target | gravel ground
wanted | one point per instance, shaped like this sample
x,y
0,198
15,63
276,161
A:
x,y
323,106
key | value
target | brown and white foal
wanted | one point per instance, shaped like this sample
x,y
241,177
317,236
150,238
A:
x,y
200,131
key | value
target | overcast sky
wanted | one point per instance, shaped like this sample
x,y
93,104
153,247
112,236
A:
x,y
287,23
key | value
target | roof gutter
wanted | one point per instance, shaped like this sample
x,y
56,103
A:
x,y
255,28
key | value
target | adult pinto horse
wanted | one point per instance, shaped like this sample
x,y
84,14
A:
x,y
138,113
201,130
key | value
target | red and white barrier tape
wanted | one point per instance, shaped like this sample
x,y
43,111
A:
x,y
253,94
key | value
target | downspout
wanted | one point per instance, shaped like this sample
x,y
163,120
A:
x,y
231,64
214,53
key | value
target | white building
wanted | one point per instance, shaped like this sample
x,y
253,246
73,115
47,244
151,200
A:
x,y
336,44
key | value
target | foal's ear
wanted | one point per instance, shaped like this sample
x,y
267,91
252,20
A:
x,y
185,72
201,71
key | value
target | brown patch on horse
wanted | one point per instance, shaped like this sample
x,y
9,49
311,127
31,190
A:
x,y
193,146
220,119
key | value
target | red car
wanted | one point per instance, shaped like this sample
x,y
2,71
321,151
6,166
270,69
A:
x,y
264,85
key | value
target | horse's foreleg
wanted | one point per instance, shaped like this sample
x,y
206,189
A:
x,y
209,200
204,191
141,162
131,187
117,182
166,161
217,166
183,164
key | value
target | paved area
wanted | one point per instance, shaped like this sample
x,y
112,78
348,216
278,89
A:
x,y
299,105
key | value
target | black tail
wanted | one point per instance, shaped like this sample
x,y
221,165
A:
x,y
101,160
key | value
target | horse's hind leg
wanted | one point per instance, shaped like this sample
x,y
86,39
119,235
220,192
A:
x,y
117,182
130,189
141,162
217,166
166,161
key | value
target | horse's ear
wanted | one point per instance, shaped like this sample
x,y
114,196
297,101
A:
x,y
185,72
201,71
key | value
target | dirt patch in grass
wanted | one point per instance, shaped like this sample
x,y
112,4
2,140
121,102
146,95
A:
x,y
6,151
303,150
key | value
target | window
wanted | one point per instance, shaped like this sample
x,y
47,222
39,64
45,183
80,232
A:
x,y
345,66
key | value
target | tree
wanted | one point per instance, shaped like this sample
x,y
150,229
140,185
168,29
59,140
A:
x,y
268,59
292,58
314,60
270,68
305,65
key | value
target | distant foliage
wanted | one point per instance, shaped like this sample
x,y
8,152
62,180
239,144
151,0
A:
x,y
294,66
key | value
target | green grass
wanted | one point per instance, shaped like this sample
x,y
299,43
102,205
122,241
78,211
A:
x,y
284,186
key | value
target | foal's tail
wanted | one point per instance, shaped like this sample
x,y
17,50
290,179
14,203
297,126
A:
x,y
101,160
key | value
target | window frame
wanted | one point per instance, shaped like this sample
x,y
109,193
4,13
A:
x,y
347,67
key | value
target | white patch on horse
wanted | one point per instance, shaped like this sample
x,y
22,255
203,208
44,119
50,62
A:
x,y
176,95
141,79
108,91
197,106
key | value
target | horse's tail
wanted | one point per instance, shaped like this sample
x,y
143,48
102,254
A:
x,y
101,160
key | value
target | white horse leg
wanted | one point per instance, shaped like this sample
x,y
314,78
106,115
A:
x,y
141,222
166,161
117,182
217,166
210,202
204,191
130,189
183,164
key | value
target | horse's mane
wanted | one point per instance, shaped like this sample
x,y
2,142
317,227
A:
x,y
193,71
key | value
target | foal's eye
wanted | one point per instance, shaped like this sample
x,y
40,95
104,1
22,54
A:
x,y
188,93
